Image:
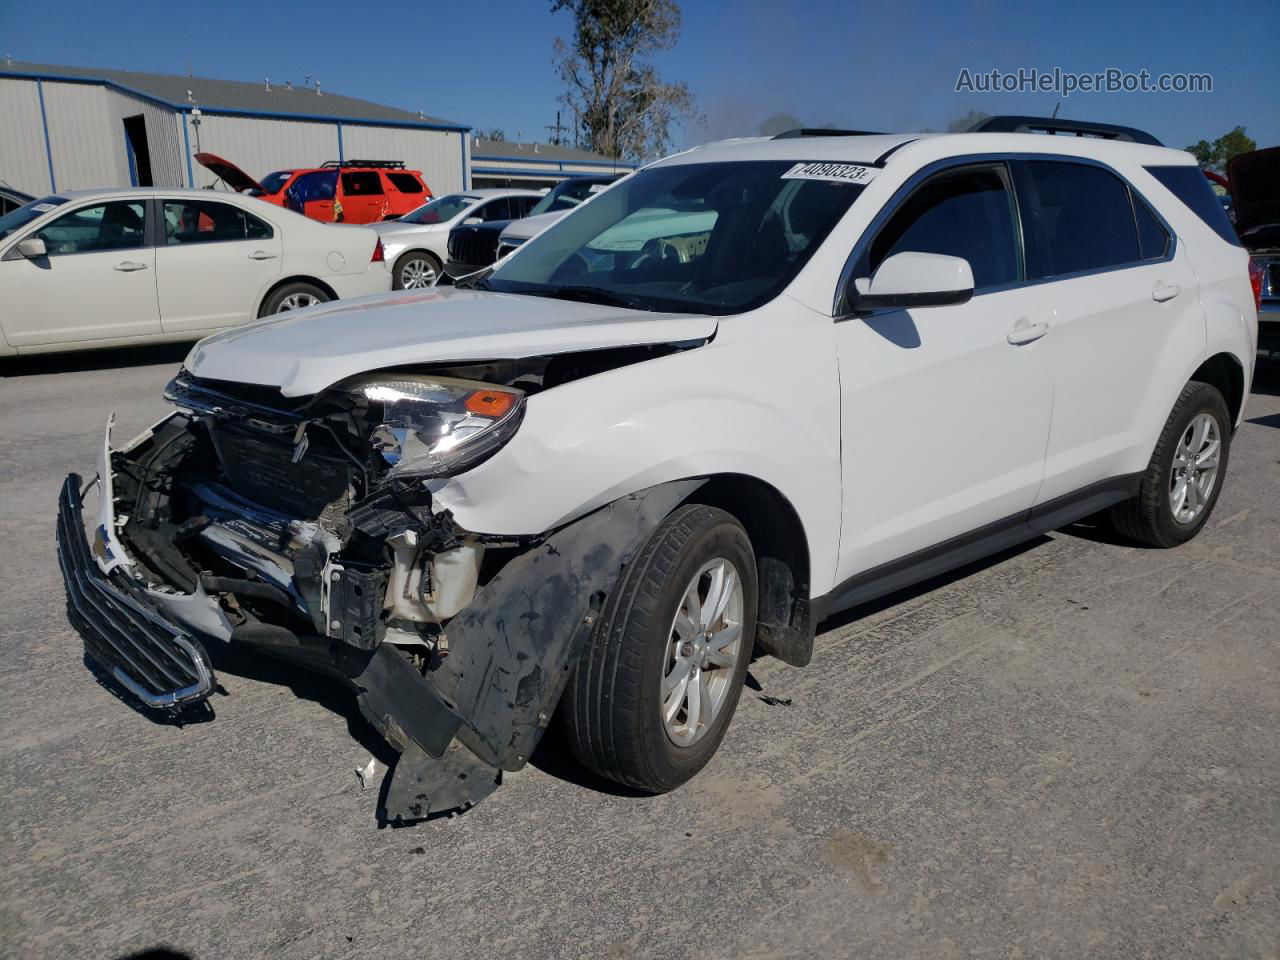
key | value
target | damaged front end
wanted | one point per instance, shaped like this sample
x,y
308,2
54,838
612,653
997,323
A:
x,y
305,529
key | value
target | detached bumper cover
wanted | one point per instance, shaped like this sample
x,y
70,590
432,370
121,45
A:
x,y
145,651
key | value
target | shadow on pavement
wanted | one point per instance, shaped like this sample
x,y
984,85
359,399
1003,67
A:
x,y
83,360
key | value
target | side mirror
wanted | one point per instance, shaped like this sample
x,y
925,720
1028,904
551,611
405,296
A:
x,y
472,221
913,279
32,248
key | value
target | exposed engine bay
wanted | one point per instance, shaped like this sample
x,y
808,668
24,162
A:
x,y
305,527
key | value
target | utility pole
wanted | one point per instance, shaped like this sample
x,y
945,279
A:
x,y
557,131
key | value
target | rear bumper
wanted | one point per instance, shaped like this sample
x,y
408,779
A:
x,y
348,286
1269,328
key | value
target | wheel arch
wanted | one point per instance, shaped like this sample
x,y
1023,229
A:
x,y
1225,372
784,622
299,278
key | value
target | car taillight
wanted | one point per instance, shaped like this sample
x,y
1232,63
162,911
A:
x,y
1255,279
378,255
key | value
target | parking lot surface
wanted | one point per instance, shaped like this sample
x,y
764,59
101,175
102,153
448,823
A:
x,y
1072,750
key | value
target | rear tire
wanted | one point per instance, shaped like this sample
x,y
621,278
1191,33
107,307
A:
x,y
292,296
1185,475
627,716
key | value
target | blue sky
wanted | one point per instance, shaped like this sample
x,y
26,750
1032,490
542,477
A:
x,y
879,67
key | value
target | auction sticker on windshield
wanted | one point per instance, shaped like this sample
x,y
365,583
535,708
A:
x,y
832,172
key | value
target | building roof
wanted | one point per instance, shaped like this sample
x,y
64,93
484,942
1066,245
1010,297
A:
x,y
233,96
506,150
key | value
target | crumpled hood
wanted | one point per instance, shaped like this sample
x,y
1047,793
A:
x,y
305,351
531,226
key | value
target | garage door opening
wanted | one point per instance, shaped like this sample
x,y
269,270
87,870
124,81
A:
x,y
135,142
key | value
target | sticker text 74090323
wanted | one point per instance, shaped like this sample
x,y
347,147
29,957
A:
x,y
832,172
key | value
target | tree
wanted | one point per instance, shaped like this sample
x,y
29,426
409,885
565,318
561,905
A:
x,y
622,107
963,124
497,133
1218,154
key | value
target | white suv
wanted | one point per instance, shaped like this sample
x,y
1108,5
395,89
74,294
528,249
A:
x,y
753,384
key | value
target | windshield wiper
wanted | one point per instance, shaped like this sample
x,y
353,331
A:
x,y
584,294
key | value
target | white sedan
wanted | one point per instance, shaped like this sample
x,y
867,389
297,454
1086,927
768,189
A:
x,y
105,268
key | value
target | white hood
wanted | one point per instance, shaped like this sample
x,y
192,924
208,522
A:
x,y
530,226
305,351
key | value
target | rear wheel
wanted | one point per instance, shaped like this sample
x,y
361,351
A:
x,y
656,687
414,270
1183,480
293,296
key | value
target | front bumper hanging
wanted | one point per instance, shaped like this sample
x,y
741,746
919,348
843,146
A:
x,y
143,650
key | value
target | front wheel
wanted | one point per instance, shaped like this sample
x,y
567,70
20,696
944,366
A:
x,y
655,689
1183,480
415,270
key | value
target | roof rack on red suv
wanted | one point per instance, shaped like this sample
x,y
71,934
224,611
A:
x,y
379,164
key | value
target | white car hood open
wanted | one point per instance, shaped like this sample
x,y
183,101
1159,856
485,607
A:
x,y
305,351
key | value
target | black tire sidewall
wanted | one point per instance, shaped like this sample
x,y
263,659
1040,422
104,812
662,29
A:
x,y
272,305
670,764
1208,400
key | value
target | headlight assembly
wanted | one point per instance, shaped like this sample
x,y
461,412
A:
x,y
437,426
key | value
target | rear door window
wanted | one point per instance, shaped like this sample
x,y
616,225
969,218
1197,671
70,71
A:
x,y
967,212
1189,185
204,221
362,183
1081,216
499,209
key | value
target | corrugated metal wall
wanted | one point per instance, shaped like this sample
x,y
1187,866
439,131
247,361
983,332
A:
x,y
437,153
88,149
23,163
260,146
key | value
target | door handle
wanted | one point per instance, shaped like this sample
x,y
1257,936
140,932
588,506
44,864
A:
x,y
1165,291
261,255
128,266
1024,331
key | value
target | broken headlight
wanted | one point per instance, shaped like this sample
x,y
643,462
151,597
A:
x,y
438,426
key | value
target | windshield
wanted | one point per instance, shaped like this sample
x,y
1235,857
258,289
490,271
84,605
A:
x,y
441,209
15,220
272,183
713,238
567,194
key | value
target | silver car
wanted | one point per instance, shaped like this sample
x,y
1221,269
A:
x,y
416,245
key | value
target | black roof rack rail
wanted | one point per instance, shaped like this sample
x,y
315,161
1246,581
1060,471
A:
x,y
1080,128
823,132
384,164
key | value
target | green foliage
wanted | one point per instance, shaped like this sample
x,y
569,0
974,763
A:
x,y
1216,155
622,107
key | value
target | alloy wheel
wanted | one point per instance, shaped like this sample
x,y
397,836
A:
x,y
1195,468
417,273
704,646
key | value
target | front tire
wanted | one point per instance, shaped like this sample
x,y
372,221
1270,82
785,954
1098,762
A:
x,y
655,689
1183,480
415,270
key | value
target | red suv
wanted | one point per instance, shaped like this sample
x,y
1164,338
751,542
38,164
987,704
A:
x,y
346,191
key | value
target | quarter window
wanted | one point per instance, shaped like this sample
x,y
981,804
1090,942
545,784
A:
x,y
405,182
202,221
965,213
104,226
1082,217
1190,186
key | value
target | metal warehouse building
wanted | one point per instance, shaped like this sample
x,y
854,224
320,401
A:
x,y
499,163
70,127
